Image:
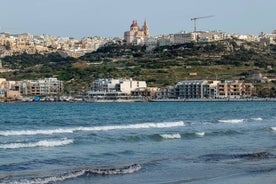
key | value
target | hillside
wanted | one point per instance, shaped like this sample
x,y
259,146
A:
x,y
166,65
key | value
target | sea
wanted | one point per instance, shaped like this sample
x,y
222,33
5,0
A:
x,y
141,142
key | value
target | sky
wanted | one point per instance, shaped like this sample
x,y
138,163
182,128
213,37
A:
x,y
111,18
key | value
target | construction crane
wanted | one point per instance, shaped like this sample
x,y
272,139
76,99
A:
x,y
195,18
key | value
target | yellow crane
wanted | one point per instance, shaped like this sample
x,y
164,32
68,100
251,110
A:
x,y
195,19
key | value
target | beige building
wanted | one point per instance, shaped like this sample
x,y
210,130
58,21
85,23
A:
x,y
2,83
234,89
180,38
13,95
137,35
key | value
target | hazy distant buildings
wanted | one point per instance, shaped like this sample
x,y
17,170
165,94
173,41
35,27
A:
x,y
14,44
137,35
267,39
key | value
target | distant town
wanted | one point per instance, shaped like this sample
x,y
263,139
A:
x,y
120,89
15,44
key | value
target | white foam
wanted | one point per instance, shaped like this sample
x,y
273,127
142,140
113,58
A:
x,y
35,132
74,174
171,136
233,121
53,179
257,119
125,170
43,143
96,128
200,134
133,126
273,128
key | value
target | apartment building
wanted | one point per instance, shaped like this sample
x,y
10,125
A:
x,y
47,86
189,89
166,93
183,37
196,89
165,40
210,89
117,85
234,89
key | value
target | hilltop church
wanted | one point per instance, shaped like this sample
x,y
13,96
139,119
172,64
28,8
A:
x,y
136,35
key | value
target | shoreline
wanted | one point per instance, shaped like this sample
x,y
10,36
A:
x,y
152,100
217,100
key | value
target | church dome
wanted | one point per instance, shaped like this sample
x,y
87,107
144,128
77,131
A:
x,y
134,24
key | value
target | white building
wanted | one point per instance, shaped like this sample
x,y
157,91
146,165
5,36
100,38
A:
x,y
117,85
189,89
127,86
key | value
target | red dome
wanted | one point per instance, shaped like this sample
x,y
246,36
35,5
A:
x,y
134,24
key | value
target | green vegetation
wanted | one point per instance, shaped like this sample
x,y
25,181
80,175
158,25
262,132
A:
x,y
166,65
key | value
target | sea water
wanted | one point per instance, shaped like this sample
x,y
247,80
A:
x,y
168,143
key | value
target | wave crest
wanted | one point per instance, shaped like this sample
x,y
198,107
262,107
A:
x,y
79,173
43,143
35,132
273,128
200,134
232,121
171,136
133,126
96,128
257,119
115,171
245,156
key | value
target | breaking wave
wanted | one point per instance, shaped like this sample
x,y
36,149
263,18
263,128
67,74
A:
x,y
200,134
96,128
235,121
232,121
244,156
77,173
273,128
133,126
256,119
35,132
43,143
115,171
171,136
